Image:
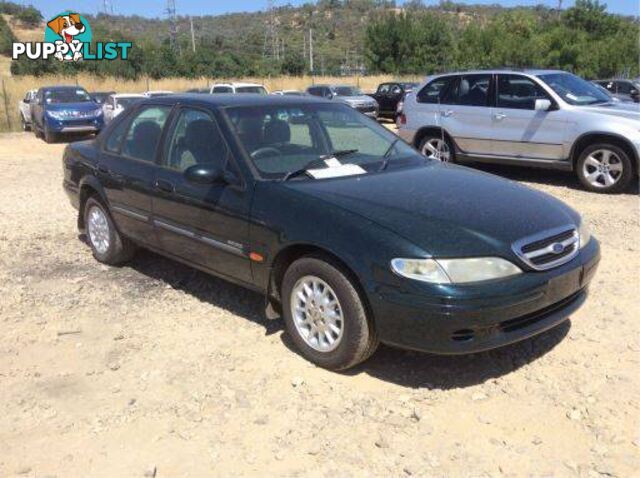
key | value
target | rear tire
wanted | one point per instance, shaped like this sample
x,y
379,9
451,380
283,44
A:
x,y
313,314
604,168
438,148
107,244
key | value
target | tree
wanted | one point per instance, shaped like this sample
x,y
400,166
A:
x,y
293,64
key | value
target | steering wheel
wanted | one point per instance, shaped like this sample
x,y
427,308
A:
x,y
265,152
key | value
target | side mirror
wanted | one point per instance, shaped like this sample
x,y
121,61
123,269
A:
x,y
329,96
542,105
634,93
204,174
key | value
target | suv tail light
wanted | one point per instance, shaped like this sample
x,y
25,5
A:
x,y
402,119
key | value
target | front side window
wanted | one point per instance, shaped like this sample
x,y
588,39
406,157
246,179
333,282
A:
x,y
518,92
469,90
222,89
195,139
144,132
281,139
434,92
624,87
574,90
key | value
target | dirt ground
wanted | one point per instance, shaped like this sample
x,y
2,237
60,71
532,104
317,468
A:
x,y
154,369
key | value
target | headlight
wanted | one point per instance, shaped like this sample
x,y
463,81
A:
x,y
584,233
455,271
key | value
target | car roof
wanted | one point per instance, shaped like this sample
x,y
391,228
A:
x,y
525,71
128,95
227,100
239,84
63,87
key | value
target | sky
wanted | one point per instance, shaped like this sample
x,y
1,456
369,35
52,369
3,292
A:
x,y
155,8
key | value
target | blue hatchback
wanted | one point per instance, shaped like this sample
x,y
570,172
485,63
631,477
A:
x,y
59,110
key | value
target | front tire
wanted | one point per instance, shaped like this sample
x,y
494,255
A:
x,y
325,315
49,136
604,168
23,122
438,148
107,244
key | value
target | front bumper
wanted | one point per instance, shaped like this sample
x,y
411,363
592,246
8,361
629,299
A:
x,y
88,125
467,319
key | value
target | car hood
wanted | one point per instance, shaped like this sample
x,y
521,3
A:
x,y
355,99
447,210
83,106
624,110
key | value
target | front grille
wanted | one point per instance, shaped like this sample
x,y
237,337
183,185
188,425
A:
x,y
548,249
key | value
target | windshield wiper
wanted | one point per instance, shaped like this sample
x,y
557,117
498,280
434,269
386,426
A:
x,y
298,172
339,153
385,157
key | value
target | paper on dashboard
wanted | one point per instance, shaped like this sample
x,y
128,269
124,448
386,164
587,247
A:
x,y
336,171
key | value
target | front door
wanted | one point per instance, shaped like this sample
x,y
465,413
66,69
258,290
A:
x,y
204,224
519,130
127,170
465,113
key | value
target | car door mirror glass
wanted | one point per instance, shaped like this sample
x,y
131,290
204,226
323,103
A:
x,y
204,174
542,105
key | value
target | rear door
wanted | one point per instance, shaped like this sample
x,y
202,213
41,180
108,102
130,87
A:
x,y
205,224
519,131
465,113
127,170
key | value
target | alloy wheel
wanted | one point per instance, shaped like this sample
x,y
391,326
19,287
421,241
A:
x,y
317,313
438,149
603,168
98,230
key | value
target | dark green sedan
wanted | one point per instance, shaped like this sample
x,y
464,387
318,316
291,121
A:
x,y
352,236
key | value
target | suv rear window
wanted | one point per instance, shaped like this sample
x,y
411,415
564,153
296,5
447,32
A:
x,y
469,90
434,91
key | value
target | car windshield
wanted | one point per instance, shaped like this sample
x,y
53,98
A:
x,y
251,89
283,139
67,95
100,97
574,90
348,91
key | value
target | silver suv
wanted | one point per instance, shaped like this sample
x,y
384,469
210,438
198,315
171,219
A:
x,y
537,118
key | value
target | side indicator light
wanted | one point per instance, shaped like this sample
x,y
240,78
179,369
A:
x,y
255,257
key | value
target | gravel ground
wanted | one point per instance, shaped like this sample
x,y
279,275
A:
x,y
154,369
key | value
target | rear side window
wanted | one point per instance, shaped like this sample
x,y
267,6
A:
x,y
434,92
469,90
144,132
383,89
116,136
315,91
518,92
222,89
624,87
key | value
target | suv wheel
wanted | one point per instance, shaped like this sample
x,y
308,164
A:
x,y
437,148
24,124
49,136
604,168
325,316
107,245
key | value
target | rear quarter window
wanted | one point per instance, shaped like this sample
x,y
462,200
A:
x,y
434,92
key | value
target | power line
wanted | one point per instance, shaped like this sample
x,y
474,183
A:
x,y
170,11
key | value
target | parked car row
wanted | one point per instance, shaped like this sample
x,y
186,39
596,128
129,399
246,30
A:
x,y
351,235
535,118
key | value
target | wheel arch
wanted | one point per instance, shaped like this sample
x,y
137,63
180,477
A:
x,y
89,186
436,130
587,139
292,252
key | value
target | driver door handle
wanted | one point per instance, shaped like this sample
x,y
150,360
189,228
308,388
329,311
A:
x,y
500,116
163,185
446,113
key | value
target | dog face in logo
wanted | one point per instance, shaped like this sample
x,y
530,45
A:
x,y
68,27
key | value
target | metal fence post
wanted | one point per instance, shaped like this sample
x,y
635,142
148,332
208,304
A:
x,y
6,104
